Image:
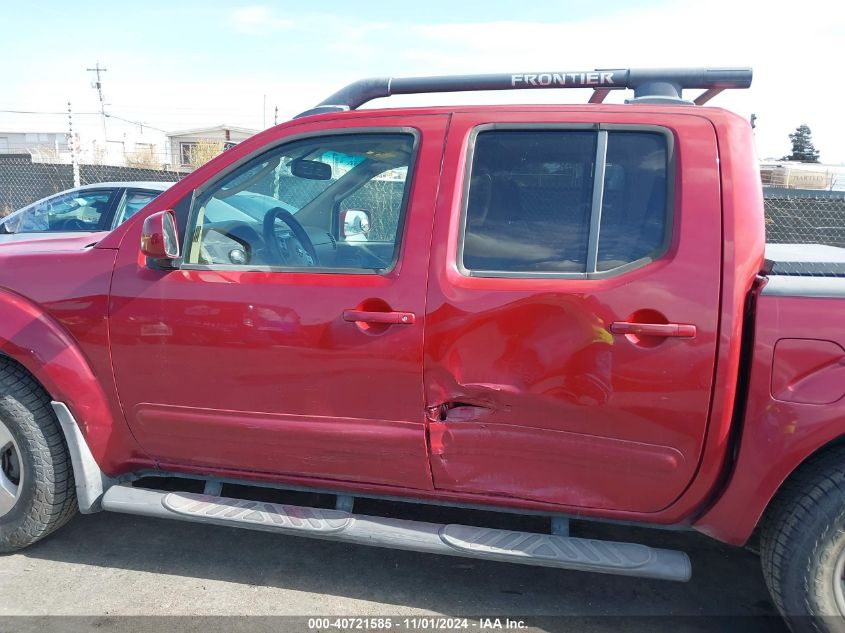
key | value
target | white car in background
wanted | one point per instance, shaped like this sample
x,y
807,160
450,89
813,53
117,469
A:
x,y
85,209
103,206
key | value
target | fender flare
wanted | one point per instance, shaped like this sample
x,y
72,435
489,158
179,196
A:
x,y
760,471
37,342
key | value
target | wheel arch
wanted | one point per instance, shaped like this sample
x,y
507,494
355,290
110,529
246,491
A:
x,y
90,482
809,460
40,344
37,343
760,476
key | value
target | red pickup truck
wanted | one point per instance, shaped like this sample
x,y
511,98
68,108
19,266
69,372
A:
x,y
550,310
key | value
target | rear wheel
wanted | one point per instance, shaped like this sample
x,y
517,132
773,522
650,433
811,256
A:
x,y
37,493
803,546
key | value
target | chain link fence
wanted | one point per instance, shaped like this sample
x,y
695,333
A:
x,y
23,181
802,216
793,216
805,231
380,197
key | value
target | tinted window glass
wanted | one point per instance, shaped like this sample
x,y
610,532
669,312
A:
x,y
327,202
633,219
529,202
133,202
78,211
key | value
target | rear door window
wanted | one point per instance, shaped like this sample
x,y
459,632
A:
x,y
568,202
529,201
634,204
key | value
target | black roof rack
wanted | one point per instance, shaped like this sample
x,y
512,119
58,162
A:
x,y
650,85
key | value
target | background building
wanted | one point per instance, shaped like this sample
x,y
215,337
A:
x,y
185,144
793,175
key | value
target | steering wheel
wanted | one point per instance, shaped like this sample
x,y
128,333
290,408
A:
x,y
307,256
75,224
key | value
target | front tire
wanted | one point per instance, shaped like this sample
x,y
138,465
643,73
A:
x,y
37,494
803,546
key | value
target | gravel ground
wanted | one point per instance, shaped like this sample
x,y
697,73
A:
x,y
102,568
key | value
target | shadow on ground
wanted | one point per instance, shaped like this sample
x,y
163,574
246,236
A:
x,y
142,566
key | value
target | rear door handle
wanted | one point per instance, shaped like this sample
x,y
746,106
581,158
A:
x,y
366,316
674,330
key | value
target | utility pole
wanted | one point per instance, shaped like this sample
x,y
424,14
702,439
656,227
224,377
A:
x,y
264,113
99,86
74,159
276,116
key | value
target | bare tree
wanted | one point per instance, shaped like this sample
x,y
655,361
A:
x,y
203,151
144,158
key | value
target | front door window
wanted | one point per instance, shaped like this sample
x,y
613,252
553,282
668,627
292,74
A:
x,y
77,211
329,203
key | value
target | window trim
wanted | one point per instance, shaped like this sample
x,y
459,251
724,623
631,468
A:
x,y
120,205
209,185
118,208
602,131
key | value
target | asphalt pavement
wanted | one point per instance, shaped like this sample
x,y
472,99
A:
x,y
118,572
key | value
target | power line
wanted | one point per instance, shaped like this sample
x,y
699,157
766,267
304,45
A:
x,y
140,124
175,114
45,112
110,116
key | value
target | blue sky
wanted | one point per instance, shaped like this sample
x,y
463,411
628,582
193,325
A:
x,y
184,64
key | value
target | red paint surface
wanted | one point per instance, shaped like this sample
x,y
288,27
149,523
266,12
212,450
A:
x,y
808,371
777,436
576,415
264,371
59,333
259,375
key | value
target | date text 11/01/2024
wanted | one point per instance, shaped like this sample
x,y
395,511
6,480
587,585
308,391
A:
x,y
416,624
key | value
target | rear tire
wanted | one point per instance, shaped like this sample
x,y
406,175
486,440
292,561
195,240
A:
x,y
37,494
803,546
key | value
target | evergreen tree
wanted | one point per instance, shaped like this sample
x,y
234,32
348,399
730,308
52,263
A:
x,y
802,146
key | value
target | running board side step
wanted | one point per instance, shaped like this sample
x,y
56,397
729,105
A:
x,y
527,548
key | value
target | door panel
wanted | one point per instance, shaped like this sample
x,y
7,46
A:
x,y
531,394
255,369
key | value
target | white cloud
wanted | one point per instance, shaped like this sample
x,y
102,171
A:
x,y
256,18
793,48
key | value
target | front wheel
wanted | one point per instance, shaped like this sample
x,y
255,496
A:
x,y
803,546
37,494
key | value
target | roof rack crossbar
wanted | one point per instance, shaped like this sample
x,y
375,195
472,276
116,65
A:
x,y
705,96
665,83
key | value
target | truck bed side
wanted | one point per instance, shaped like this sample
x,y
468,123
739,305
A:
x,y
796,397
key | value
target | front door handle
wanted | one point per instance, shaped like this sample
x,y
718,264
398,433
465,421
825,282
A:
x,y
674,330
370,316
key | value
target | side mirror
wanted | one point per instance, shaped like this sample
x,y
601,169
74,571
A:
x,y
159,241
354,225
